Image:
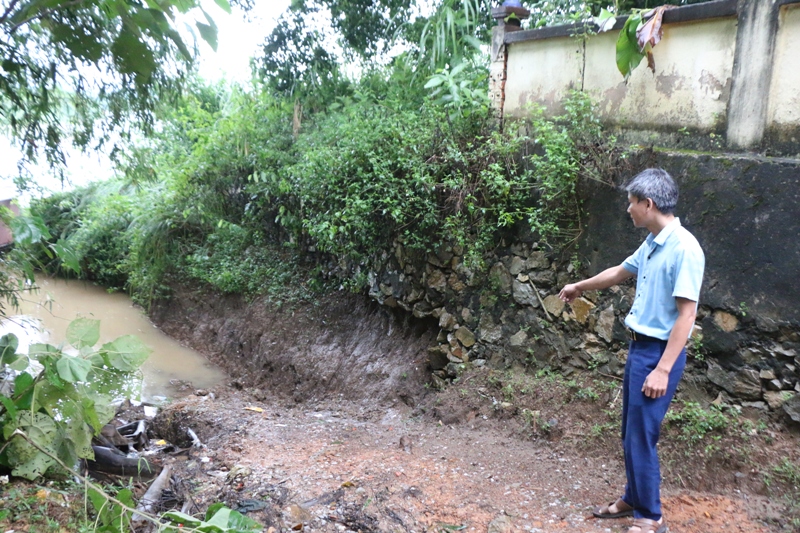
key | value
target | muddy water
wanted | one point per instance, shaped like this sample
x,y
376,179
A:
x,y
44,317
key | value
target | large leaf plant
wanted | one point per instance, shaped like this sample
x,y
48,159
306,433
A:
x,y
65,401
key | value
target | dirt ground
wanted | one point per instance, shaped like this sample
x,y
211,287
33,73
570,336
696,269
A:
x,y
327,425
344,466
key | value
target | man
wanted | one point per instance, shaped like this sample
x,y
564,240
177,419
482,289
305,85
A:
x,y
669,271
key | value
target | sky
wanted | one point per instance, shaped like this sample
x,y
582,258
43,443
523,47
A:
x,y
237,39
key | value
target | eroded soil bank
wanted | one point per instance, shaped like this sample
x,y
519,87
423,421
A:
x,y
326,425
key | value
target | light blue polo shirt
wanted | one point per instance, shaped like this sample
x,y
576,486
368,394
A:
x,y
667,266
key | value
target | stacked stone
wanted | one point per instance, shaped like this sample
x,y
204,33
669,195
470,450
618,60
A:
x,y
511,316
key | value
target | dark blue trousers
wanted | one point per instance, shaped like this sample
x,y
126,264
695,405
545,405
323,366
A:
x,y
641,426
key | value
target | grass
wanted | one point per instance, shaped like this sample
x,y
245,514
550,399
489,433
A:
x,y
697,425
55,507
583,410
783,482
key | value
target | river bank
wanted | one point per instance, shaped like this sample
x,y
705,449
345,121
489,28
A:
x,y
369,466
343,413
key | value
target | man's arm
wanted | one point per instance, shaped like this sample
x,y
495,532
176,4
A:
x,y
656,383
605,279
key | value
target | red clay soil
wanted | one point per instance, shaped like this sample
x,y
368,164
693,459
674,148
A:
x,y
344,436
338,466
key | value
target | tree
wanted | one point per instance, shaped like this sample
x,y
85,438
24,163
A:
x,y
302,58
85,68
554,12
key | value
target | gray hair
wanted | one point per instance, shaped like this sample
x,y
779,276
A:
x,y
658,185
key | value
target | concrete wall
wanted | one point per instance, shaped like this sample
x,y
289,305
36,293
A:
x,y
743,211
542,72
784,100
690,87
725,67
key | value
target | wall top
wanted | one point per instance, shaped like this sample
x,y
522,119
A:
x,y
517,13
708,10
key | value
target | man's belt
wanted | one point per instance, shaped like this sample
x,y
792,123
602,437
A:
x,y
642,338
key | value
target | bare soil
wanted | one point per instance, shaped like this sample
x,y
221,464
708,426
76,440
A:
x,y
326,425
338,465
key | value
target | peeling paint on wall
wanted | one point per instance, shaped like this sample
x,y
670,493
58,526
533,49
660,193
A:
x,y
687,89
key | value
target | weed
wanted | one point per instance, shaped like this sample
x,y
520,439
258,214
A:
x,y
575,262
587,393
508,392
53,508
597,360
600,430
788,472
697,347
743,309
784,479
696,423
527,417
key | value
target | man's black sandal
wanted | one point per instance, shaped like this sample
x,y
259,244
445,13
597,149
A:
x,y
604,511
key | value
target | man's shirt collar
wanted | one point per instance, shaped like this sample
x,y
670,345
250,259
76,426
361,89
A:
x,y
662,236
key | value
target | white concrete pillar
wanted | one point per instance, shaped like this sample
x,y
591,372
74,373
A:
x,y
752,73
509,18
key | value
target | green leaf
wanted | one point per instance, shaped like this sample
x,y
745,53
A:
x,y
8,349
28,230
70,258
29,462
219,518
239,522
225,5
605,21
98,409
23,391
175,37
50,371
112,517
133,56
98,500
73,369
96,359
80,42
78,432
628,54
11,409
127,353
54,399
435,81
229,520
20,364
152,4
474,42
38,350
458,69
178,517
83,332
208,33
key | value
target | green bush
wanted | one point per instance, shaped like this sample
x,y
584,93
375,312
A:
x,y
231,186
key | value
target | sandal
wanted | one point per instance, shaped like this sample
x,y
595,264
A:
x,y
622,509
645,525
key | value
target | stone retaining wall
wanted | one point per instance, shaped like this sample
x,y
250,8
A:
x,y
744,212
